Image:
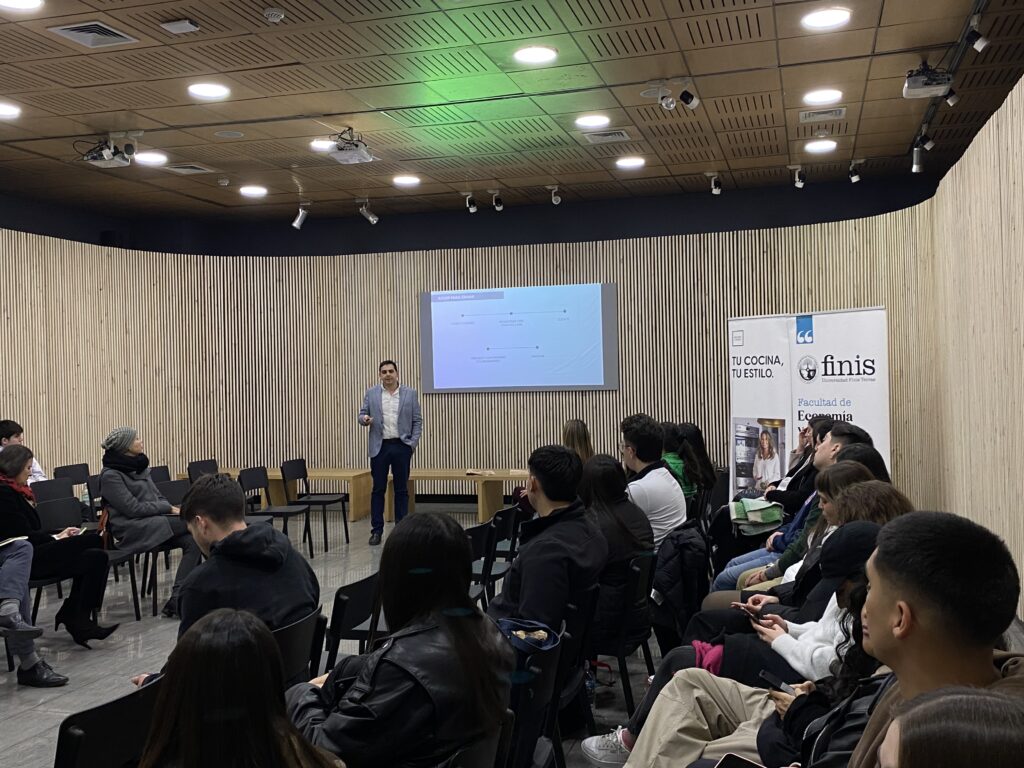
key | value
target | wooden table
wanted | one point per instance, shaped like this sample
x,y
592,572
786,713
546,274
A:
x,y
490,488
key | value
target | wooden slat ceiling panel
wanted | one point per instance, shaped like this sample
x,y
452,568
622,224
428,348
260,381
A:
x,y
435,89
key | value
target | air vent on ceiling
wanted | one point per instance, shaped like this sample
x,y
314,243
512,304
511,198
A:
x,y
606,137
822,115
189,169
93,34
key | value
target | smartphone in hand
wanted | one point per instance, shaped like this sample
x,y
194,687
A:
x,y
776,684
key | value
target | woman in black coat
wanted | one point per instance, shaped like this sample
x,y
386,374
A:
x,y
66,554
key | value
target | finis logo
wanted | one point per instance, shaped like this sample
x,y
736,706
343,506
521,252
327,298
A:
x,y
804,329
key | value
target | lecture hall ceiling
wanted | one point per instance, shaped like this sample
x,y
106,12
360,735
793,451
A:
x,y
435,91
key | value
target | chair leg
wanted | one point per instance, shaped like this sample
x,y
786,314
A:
x,y
307,534
627,689
324,510
152,579
35,606
60,591
167,560
284,525
646,648
145,574
135,590
116,579
344,518
10,659
332,644
556,744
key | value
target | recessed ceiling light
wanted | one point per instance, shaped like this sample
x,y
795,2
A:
x,y
21,5
822,96
9,111
209,90
826,18
535,54
323,145
150,158
592,121
406,181
253,191
820,145
630,162
229,134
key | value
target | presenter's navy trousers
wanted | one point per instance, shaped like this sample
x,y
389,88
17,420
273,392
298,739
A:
x,y
394,456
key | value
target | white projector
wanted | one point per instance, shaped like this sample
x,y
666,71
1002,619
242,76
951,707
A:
x,y
927,85
351,153
116,161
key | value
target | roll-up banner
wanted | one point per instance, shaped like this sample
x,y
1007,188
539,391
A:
x,y
785,369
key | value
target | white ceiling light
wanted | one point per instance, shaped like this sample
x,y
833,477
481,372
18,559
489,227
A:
x,y
820,145
592,121
150,158
536,54
21,5
825,19
9,111
323,145
253,191
822,96
630,162
406,181
209,90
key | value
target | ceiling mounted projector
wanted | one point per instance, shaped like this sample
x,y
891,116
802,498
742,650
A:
x,y
351,149
106,154
926,83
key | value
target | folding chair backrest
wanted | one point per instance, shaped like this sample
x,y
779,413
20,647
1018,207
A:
x,y
58,514
253,479
533,694
197,469
353,604
112,734
58,488
479,538
78,474
160,474
295,642
174,490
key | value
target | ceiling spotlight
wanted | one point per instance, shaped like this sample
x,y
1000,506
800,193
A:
x,y
690,100
818,146
977,40
470,202
496,200
823,96
322,145
630,162
592,121
535,54
918,161
150,157
21,5
667,102
951,97
406,181
556,198
827,18
854,176
300,217
9,111
366,213
799,178
252,191
716,185
209,90
926,141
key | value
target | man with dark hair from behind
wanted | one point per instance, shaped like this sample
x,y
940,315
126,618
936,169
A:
x,y
561,551
252,568
652,486
12,433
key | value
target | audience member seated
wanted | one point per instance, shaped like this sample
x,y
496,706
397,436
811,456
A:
x,y
221,702
651,486
253,568
12,433
792,491
67,554
141,519
576,437
629,535
16,615
439,683
869,457
561,551
671,445
955,726
694,453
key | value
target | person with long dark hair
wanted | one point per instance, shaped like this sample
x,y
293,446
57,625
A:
x,y
141,519
671,444
221,702
67,553
576,436
628,532
439,683
694,451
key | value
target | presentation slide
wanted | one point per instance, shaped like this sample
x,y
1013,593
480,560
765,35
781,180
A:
x,y
547,337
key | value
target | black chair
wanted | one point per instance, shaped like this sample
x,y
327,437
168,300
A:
x,y
254,479
78,474
353,606
297,643
508,539
533,691
197,469
480,537
160,474
294,471
54,515
93,485
58,488
488,752
638,586
112,735
173,490
503,524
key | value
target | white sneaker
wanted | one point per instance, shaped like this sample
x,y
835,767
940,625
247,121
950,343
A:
x,y
606,750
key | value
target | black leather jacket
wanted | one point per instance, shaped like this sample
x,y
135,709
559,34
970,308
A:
x,y
403,706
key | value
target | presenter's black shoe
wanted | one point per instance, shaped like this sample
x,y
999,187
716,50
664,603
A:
x,y
41,676
374,539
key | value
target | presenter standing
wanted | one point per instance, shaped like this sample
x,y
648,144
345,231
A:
x,y
392,412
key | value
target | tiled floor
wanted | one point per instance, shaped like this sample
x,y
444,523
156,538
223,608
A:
x,y
30,719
